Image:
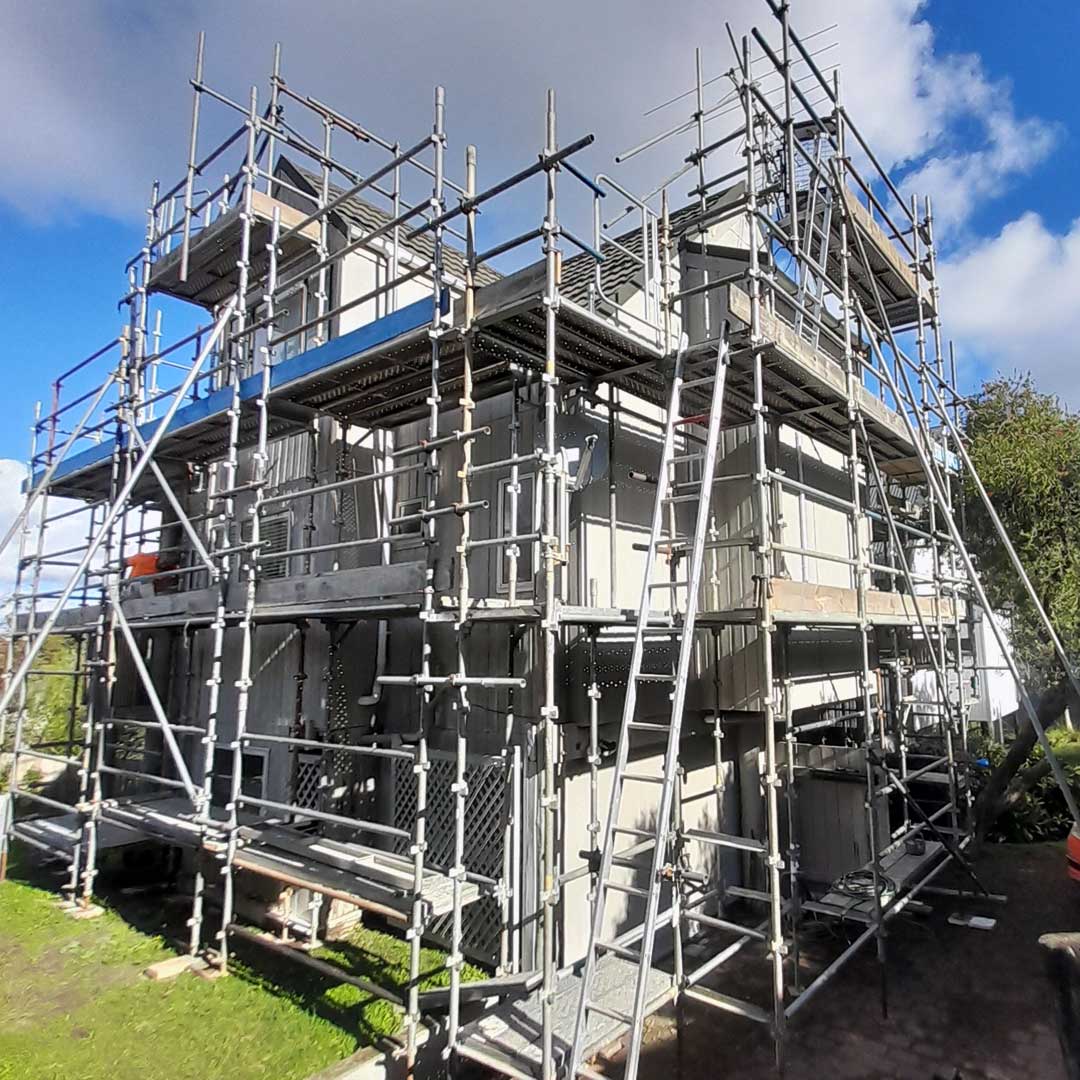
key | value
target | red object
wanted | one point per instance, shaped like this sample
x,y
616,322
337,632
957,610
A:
x,y
1072,853
142,564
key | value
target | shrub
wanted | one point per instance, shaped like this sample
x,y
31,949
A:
x,y
1038,814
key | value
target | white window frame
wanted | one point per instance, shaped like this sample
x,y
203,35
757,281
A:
x,y
411,535
280,351
527,494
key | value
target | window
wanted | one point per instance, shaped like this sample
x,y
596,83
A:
x,y
252,775
290,309
406,508
527,515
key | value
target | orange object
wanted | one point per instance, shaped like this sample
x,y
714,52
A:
x,y
1072,854
142,563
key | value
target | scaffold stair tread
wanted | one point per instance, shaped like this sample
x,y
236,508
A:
x,y
509,1036
727,1003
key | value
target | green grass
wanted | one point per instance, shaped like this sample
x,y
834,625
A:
x,y
75,1006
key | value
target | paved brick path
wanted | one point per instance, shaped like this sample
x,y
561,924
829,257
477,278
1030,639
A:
x,y
961,1001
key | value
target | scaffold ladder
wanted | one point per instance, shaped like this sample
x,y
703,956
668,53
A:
x,y
623,843
816,239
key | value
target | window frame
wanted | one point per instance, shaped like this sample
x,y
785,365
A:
x,y
527,496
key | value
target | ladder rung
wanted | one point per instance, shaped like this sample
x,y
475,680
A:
x,y
682,459
741,893
655,676
627,855
629,830
611,1014
642,725
682,498
705,380
680,584
642,778
728,840
629,890
619,950
729,1004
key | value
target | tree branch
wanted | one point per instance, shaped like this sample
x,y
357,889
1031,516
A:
x,y
1000,793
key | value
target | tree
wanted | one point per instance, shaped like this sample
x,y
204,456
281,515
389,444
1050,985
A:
x,y
49,718
1025,446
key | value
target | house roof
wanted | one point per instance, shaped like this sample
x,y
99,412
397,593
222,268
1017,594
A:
x,y
623,267
358,212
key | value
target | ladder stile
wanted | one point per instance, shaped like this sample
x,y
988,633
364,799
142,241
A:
x,y
660,831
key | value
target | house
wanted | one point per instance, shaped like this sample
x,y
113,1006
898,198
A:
x,y
409,501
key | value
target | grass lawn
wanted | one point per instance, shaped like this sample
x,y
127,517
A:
x,y
74,1004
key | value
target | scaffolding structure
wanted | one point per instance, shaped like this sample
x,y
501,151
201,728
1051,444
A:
x,y
825,323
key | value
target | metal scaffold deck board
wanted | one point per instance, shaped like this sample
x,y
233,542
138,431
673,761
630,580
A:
x,y
212,272
815,379
367,876
507,1039
169,818
901,867
198,430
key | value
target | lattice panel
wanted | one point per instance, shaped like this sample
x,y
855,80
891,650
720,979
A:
x,y
308,771
350,528
485,820
338,763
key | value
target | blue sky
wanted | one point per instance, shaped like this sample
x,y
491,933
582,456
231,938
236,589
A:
x,y
91,129
1035,53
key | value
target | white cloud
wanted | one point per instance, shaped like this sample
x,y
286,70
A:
x,y
1008,146
98,97
69,532
1012,301
98,105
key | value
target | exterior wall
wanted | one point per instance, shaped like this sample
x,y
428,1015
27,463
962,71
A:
x,y
361,272
701,807
995,688
352,513
341,701
810,523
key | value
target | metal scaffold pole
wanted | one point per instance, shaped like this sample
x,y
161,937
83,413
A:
x,y
114,511
763,574
549,625
12,632
459,788
249,571
429,527
1026,702
351,618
